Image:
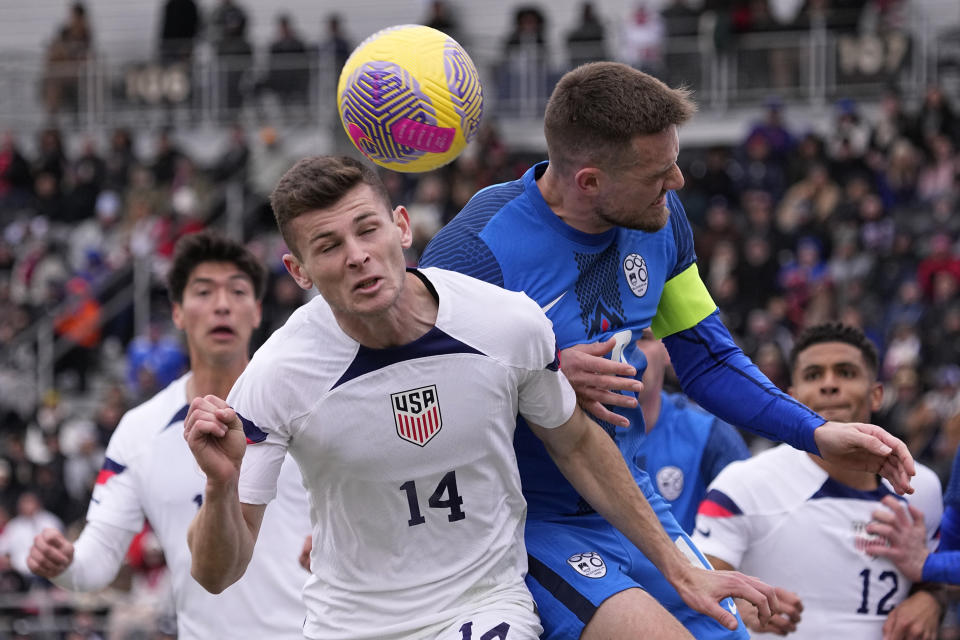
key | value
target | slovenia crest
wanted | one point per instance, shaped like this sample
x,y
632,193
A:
x,y
635,270
416,413
588,564
670,482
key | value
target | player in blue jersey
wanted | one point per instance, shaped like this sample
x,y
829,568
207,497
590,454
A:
x,y
902,534
599,239
684,447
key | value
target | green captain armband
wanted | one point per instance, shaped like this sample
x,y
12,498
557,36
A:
x,y
685,302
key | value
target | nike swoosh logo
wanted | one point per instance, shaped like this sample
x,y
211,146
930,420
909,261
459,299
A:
x,y
550,305
704,532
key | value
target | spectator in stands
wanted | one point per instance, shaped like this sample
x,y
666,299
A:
x,y
157,352
641,42
938,179
892,124
78,326
87,175
15,180
269,160
17,538
809,204
66,58
440,17
937,117
120,160
774,129
334,47
524,72
228,34
288,73
179,27
586,42
940,259
680,19
166,153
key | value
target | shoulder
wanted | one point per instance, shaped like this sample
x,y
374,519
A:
x,y
505,324
294,367
146,420
928,493
776,476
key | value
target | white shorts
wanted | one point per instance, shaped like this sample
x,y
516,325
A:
x,y
505,621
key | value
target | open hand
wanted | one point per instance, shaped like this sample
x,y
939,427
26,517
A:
x,y
596,379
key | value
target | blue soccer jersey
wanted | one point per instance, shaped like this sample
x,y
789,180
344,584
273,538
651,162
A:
x,y
592,286
684,452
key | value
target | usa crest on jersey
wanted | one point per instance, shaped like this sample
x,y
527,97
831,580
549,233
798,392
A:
x,y
416,413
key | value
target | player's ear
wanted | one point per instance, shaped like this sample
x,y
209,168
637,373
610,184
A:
x,y
876,396
402,219
588,180
296,270
178,315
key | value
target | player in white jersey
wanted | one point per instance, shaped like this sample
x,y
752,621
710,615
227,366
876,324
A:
x,y
215,286
800,523
397,393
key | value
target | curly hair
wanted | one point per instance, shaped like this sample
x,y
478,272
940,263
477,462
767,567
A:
x,y
836,332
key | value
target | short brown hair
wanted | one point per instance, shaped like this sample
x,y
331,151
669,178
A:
x,y
319,182
597,109
210,246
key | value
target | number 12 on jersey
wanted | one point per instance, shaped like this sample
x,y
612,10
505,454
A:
x,y
447,486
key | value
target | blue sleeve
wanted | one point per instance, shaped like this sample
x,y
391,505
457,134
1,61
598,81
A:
x,y
682,235
950,529
721,378
942,566
724,445
951,497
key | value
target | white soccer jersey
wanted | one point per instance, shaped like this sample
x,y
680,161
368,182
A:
x,y
150,472
408,456
780,517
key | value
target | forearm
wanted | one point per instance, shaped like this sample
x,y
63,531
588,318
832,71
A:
x,y
97,556
221,543
596,469
715,372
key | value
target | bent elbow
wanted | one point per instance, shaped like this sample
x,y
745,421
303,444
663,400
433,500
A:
x,y
214,584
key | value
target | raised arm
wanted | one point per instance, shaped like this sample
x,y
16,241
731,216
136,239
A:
x,y
224,531
594,466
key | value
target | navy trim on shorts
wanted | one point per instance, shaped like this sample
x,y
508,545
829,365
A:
x,y
560,589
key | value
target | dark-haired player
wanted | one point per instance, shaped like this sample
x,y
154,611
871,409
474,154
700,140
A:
x,y
215,286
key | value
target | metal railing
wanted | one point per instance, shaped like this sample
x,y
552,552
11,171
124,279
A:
x,y
810,65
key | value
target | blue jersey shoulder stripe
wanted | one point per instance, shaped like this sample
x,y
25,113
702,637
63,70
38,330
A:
x,y
833,489
718,504
179,416
434,343
459,247
254,433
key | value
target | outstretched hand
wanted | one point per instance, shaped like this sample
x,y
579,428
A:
x,y
901,537
50,554
596,379
215,435
867,447
703,590
781,623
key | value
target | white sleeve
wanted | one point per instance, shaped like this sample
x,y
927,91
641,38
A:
x,y
97,556
546,397
722,529
259,472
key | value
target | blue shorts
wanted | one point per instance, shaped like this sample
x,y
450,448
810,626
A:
x,y
578,562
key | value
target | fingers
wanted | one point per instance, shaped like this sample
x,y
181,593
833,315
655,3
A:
x,y
600,412
50,554
604,396
305,553
209,415
598,349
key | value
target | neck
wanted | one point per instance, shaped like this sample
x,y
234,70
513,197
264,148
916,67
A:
x,y
650,406
211,379
412,315
860,480
573,211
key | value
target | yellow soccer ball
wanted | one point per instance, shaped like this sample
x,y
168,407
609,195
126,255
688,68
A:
x,y
410,98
